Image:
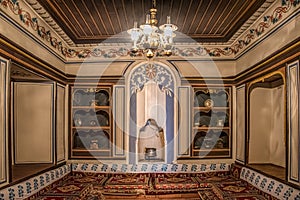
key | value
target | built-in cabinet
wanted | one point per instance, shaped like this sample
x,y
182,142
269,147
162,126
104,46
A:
x,y
91,122
211,128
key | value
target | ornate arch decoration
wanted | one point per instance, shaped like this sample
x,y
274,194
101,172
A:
x,y
152,72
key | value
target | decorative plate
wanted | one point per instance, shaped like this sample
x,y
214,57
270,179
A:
x,y
209,103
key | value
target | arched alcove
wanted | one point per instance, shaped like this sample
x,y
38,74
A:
x,y
151,96
267,118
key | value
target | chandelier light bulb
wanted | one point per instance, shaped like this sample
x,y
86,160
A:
x,y
147,19
168,20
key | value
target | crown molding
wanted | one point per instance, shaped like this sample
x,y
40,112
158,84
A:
x,y
33,17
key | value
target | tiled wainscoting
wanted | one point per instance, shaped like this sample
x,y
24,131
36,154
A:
x,y
269,185
209,180
35,184
150,168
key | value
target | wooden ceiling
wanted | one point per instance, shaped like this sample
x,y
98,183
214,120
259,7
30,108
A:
x,y
92,21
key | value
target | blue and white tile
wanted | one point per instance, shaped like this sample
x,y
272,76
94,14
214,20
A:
x,y
269,185
150,168
33,185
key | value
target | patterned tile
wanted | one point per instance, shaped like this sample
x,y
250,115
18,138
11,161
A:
x,y
269,185
150,168
33,185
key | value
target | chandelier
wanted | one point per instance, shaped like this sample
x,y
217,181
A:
x,y
151,40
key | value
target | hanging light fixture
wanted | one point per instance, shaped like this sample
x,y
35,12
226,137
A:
x,y
151,40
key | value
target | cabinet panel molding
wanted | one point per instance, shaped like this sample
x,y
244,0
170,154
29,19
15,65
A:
x,y
184,127
119,120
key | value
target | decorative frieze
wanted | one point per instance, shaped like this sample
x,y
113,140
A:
x,y
252,35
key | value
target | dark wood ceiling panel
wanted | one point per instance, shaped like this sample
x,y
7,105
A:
x,y
98,19
227,17
189,17
203,20
62,14
233,15
121,15
210,21
182,12
218,20
91,20
205,16
75,16
198,17
110,25
113,16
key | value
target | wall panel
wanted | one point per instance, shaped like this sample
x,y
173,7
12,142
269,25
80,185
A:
x,y
33,116
240,123
4,88
60,123
293,121
119,121
184,128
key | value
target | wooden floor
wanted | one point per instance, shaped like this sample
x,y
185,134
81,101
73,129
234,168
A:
x,y
270,169
25,170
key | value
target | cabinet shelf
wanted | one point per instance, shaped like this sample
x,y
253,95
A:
x,y
91,107
211,128
208,150
91,150
211,108
91,127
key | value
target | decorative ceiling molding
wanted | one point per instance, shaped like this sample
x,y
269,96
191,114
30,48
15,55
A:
x,y
253,34
250,21
49,20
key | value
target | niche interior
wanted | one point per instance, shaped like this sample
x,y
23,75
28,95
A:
x,y
267,133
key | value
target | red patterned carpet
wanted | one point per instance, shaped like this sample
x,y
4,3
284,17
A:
x,y
206,186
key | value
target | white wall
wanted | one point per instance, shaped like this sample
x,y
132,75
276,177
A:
x,y
277,138
267,126
4,121
260,126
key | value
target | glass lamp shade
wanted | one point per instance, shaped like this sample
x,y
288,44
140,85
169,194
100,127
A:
x,y
135,33
147,29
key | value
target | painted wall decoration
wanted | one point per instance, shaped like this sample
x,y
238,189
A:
x,y
150,71
45,35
